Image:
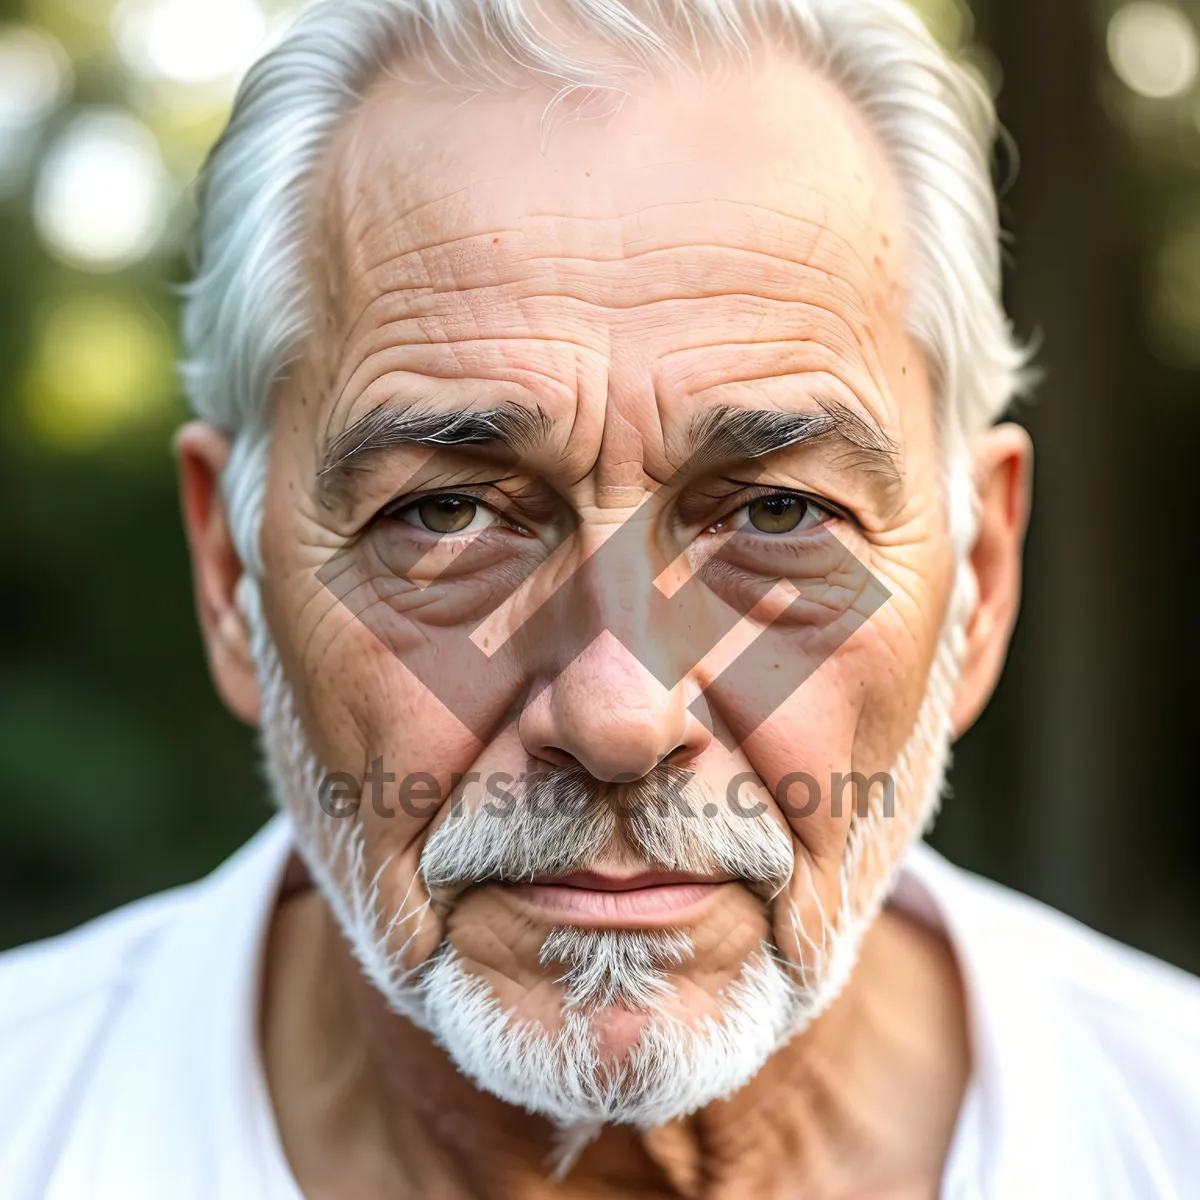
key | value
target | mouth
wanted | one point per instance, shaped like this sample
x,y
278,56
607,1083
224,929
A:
x,y
595,900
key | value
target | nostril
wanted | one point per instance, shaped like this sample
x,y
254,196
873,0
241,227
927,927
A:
x,y
680,755
557,757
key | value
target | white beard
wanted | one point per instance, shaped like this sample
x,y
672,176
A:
x,y
676,1067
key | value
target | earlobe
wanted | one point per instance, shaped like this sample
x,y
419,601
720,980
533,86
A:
x,y
217,570
1004,467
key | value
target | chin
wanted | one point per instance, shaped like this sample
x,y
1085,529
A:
x,y
616,1064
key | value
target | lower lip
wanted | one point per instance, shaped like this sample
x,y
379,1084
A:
x,y
637,906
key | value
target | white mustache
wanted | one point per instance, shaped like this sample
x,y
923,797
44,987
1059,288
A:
x,y
567,821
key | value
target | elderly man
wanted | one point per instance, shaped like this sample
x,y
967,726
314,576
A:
x,y
596,503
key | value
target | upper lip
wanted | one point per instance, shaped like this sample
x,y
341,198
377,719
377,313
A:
x,y
596,882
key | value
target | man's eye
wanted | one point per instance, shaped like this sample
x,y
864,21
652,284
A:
x,y
783,513
448,514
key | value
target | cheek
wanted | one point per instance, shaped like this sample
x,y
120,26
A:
x,y
852,718
802,748
369,717
387,680
392,694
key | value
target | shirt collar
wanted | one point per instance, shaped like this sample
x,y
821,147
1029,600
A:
x,y
1024,1098
176,1104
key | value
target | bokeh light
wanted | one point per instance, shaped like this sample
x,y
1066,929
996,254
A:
x,y
1153,49
35,76
34,72
102,195
190,41
950,21
100,363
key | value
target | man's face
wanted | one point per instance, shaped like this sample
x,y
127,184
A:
x,y
568,591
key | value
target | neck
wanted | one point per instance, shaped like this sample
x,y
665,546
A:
x,y
368,1106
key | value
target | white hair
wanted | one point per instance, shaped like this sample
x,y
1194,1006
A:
x,y
247,311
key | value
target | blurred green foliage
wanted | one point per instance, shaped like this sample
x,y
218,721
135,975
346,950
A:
x,y
120,772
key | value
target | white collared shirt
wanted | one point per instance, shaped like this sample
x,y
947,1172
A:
x,y
130,1066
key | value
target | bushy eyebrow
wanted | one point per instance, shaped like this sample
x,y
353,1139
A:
x,y
725,434
717,435
512,429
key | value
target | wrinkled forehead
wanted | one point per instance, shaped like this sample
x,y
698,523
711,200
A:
x,y
762,183
778,139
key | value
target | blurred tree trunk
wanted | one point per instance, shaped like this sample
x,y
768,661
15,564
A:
x,y
1056,808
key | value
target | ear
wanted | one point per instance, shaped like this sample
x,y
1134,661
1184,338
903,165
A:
x,y
1003,474
216,568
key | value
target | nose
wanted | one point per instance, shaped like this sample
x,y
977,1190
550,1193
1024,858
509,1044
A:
x,y
608,713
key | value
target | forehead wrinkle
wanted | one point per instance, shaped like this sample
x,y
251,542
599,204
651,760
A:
x,y
406,227
860,385
405,354
484,312
820,228
431,304
472,358
385,203
798,329
800,305
402,124
347,212
487,311
359,172
416,257
436,316
806,354
465,259
798,241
